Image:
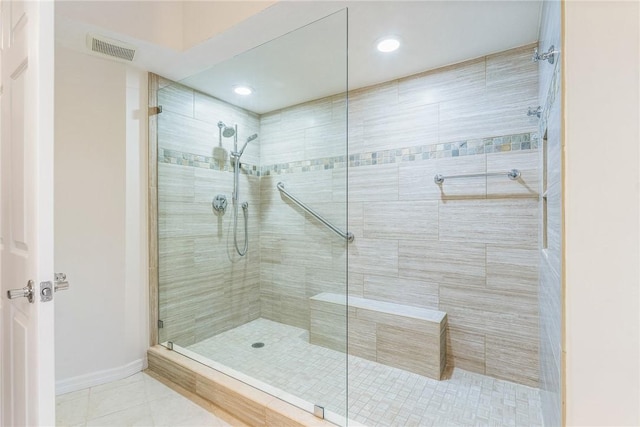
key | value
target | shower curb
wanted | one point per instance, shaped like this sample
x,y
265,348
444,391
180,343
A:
x,y
248,404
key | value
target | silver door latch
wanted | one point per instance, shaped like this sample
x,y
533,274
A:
x,y
26,292
61,282
47,288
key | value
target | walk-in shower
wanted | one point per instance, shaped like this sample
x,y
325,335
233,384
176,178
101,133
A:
x,y
387,271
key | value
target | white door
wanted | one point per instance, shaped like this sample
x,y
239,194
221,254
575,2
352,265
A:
x,y
26,193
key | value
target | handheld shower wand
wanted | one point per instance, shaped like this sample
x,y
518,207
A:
x,y
235,155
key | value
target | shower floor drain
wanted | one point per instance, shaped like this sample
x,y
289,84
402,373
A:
x,y
257,345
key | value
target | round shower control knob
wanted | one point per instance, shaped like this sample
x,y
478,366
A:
x,y
220,203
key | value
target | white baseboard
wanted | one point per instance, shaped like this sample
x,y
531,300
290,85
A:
x,y
101,377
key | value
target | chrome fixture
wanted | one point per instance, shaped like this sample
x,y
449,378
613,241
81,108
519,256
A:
x,y
26,292
245,214
46,293
220,203
60,283
235,156
46,289
348,236
547,56
537,112
513,174
227,131
318,411
219,153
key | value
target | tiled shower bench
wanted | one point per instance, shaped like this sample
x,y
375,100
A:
x,y
403,336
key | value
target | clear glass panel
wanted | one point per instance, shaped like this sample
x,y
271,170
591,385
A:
x,y
274,317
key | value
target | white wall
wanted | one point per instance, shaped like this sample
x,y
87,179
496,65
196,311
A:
x,y
158,22
100,219
177,25
601,53
202,20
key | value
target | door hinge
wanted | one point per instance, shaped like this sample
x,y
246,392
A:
x,y
155,110
160,324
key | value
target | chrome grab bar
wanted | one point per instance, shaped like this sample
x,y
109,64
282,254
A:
x,y
513,174
348,236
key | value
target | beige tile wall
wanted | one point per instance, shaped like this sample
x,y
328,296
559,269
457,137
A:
x,y
550,285
301,257
467,247
205,287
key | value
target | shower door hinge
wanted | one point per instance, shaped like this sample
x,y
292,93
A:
x,y
155,110
170,345
160,324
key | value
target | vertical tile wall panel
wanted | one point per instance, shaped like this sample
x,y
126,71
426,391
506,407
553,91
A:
x,y
443,84
443,262
414,292
204,287
512,222
416,220
550,287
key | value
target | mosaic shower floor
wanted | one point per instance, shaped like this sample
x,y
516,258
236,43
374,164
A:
x,y
379,395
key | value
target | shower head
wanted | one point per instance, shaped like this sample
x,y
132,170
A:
x,y
227,131
251,138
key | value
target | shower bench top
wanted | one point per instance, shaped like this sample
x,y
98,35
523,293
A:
x,y
404,310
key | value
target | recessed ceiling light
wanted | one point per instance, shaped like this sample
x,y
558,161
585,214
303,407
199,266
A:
x,y
243,90
388,44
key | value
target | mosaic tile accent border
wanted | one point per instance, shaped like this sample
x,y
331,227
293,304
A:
x,y
194,160
517,142
498,144
305,165
525,141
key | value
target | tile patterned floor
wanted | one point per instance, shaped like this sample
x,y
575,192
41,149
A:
x,y
138,400
379,395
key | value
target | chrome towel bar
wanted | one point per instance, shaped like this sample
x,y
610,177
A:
x,y
513,174
348,236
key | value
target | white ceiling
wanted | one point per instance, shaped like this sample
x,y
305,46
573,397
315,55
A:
x,y
310,63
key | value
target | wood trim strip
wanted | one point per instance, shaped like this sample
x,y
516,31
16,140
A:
x,y
250,405
154,81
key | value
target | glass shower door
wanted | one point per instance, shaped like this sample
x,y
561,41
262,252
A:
x,y
266,171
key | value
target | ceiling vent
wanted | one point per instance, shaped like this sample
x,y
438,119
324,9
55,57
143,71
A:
x,y
110,48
